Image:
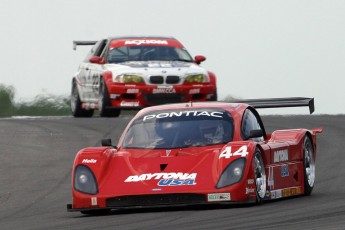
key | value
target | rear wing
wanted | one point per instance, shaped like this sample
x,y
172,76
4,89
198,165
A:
x,y
280,102
82,43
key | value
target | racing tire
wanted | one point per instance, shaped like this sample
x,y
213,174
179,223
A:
x,y
259,176
308,166
104,102
77,110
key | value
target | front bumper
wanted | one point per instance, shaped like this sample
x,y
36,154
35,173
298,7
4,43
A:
x,y
128,96
158,200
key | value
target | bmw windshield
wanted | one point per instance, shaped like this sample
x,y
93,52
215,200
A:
x,y
180,129
148,53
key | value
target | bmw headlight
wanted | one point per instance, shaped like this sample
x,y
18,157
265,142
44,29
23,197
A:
x,y
129,78
232,174
196,78
84,180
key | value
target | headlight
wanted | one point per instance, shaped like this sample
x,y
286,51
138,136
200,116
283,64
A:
x,y
196,78
232,174
129,78
84,180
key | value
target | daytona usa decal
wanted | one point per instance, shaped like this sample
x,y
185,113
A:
x,y
183,113
166,179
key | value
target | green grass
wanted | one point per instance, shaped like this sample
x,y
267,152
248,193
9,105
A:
x,y
41,105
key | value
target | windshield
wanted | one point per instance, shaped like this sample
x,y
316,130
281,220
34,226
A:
x,y
180,129
147,53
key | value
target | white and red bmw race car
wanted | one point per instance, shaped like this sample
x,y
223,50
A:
x,y
135,72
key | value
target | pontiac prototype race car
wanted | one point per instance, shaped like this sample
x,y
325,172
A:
x,y
196,153
135,72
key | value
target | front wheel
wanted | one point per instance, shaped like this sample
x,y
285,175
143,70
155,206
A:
x,y
309,166
260,176
104,102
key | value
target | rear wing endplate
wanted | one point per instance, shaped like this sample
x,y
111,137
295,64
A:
x,y
280,102
82,43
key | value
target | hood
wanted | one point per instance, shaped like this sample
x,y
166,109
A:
x,y
175,170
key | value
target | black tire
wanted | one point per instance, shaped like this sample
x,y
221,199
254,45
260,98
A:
x,y
104,102
259,176
76,108
308,166
99,212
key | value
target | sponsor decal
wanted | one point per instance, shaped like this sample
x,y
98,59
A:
x,y
270,181
190,113
250,181
166,179
227,152
89,161
132,90
194,91
284,170
93,201
250,190
218,197
164,90
146,42
286,192
131,104
156,189
281,155
167,152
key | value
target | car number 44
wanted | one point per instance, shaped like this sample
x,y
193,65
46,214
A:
x,y
227,152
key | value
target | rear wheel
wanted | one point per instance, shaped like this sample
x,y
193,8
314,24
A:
x,y
309,165
104,102
260,176
77,110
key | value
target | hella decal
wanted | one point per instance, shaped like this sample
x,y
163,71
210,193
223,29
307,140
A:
x,y
166,179
281,155
89,161
147,42
185,113
132,90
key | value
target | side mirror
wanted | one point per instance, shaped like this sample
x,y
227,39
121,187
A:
x,y
107,142
256,133
96,60
199,58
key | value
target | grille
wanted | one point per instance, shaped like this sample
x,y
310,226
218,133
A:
x,y
156,80
172,79
161,98
154,200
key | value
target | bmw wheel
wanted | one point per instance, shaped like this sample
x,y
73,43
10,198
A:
x,y
77,110
309,166
260,176
104,102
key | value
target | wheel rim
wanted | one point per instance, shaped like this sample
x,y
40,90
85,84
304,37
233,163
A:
x,y
309,163
260,176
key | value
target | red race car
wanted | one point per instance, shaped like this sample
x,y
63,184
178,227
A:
x,y
196,153
135,72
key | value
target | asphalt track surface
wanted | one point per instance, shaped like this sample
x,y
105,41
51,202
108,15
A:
x,y
36,157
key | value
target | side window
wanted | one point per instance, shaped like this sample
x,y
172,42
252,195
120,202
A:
x,y
96,50
250,122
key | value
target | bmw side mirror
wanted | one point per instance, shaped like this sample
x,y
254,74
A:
x,y
96,59
256,133
199,58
